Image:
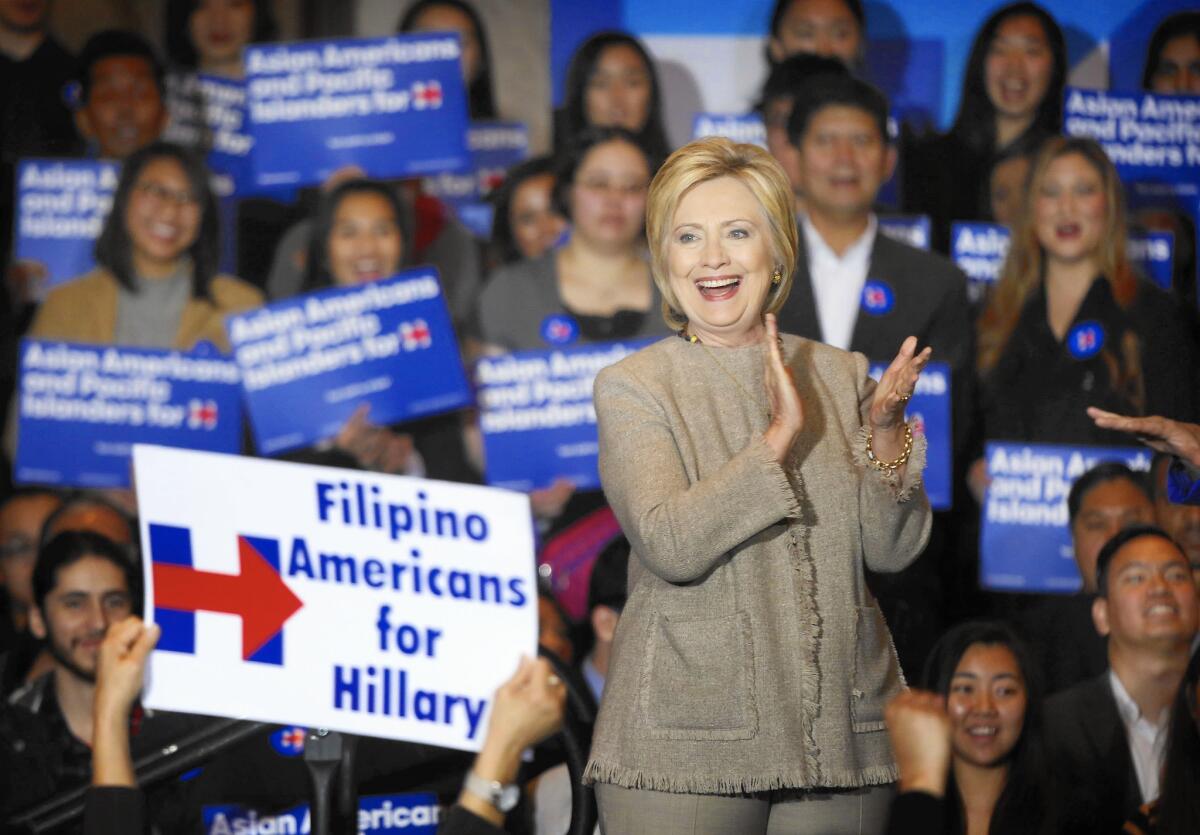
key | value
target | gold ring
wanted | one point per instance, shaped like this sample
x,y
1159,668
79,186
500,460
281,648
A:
x,y
904,398
553,680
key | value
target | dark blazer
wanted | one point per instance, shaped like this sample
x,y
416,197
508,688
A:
x,y
929,302
1087,748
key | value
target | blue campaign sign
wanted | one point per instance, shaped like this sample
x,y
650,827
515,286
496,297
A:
x,y
739,127
209,114
537,417
391,814
907,229
495,148
309,361
1147,136
82,407
1025,542
979,250
61,208
929,410
1154,254
395,107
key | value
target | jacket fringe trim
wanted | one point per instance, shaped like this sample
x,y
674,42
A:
x,y
630,778
809,617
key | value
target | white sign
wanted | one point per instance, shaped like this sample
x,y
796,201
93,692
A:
x,y
377,605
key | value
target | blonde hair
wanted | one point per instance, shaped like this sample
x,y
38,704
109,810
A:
x,y
1025,267
709,159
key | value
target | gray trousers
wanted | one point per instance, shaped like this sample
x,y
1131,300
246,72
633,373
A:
x,y
842,812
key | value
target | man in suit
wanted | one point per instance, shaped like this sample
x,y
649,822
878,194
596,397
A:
x,y
1106,737
854,287
862,291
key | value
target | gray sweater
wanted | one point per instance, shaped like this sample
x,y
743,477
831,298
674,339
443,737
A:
x,y
750,655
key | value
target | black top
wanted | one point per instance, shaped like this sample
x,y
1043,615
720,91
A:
x,y
1040,387
916,813
1063,639
1087,748
40,757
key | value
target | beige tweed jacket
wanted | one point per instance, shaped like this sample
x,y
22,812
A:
x,y
750,655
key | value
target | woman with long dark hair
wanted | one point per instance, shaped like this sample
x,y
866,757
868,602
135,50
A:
x,y
969,746
457,16
1012,92
597,286
993,697
156,282
360,234
611,82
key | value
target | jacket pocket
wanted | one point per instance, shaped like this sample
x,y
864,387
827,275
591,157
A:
x,y
698,679
876,670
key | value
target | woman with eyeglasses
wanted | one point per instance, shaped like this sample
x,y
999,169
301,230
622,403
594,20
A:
x,y
156,283
597,286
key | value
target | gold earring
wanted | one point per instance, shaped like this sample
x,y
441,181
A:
x,y
777,276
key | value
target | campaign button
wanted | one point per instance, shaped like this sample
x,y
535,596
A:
x,y
877,297
558,329
289,742
1085,340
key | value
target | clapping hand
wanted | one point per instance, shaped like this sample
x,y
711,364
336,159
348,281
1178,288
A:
x,y
895,387
787,409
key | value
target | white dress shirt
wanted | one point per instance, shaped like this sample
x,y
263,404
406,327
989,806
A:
x,y
1147,740
838,280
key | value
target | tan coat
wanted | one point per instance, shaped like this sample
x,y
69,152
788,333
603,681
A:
x,y
750,655
85,310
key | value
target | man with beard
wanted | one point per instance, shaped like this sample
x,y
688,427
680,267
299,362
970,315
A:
x,y
82,584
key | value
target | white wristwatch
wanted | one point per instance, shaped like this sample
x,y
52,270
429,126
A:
x,y
503,796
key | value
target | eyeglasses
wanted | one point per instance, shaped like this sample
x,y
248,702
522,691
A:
x,y
161,194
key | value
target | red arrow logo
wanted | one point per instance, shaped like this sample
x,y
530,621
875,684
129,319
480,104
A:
x,y
257,595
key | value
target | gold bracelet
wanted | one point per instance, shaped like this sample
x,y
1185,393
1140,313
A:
x,y
889,467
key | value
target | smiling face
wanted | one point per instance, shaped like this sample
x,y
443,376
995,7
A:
x,y
818,27
1178,69
535,225
608,196
1070,210
843,160
219,30
364,243
719,261
162,217
618,91
89,595
1018,67
124,110
986,703
1150,599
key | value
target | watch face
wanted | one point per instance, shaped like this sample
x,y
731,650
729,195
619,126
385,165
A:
x,y
507,797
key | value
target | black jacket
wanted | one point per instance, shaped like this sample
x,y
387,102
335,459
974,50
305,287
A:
x,y
1088,750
